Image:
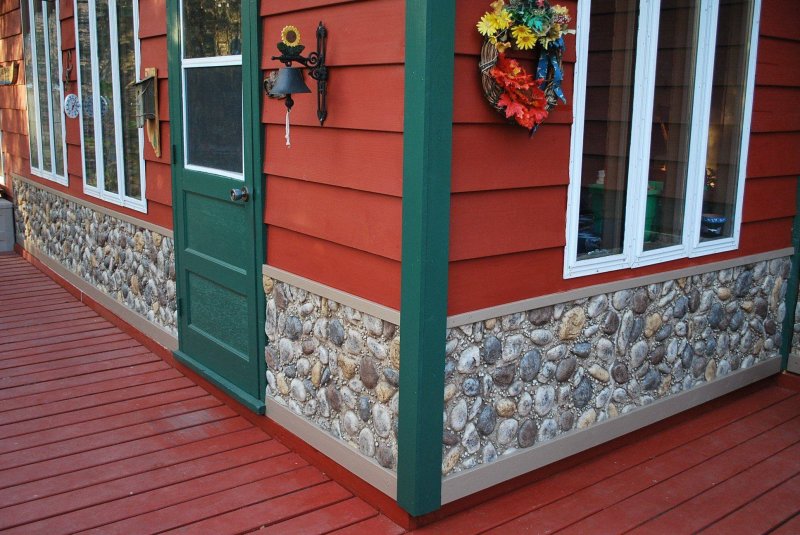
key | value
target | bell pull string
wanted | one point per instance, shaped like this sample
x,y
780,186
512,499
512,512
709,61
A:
x,y
288,134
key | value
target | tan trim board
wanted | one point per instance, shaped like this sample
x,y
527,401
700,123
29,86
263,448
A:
x,y
353,301
523,461
140,323
794,362
363,467
597,289
167,233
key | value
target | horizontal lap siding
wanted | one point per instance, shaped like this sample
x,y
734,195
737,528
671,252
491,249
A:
x,y
509,192
13,102
333,203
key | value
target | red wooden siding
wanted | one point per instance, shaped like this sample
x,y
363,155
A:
x,y
333,203
15,121
510,192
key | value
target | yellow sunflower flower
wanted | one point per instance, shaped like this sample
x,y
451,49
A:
x,y
526,41
520,29
290,36
503,19
486,26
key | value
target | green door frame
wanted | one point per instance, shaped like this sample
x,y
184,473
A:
x,y
427,155
253,132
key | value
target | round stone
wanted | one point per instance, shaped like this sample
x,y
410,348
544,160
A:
x,y
469,360
471,440
540,316
529,365
651,380
599,373
640,301
605,349
369,372
527,433
505,407
548,430
492,349
487,420
385,457
587,418
620,373
350,423
525,404
572,324
381,420
657,355
582,349
392,376
582,393
565,369
336,332
597,305
364,408
507,431
556,353
638,354
544,400
610,322
449,438
298,390
293,327
366,442
471,387
504,374
541,337
458,415
451,459
489,453
512,348
621,299
565,420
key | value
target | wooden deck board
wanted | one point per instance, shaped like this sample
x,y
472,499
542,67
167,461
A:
x,y
98,434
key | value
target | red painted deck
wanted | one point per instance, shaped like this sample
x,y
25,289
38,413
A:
x,y
98,434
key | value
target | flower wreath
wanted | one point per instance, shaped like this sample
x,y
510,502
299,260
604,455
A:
x,y
523,25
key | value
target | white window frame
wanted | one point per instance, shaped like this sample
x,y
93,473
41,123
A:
x,y
211,61
98,190
30,41
633,254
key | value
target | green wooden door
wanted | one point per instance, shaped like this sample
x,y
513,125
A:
x,y
217,192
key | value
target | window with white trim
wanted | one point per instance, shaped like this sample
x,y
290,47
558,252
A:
x,y
663,98
41,31
108,63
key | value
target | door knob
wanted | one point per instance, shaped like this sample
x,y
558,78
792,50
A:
x,y
240,194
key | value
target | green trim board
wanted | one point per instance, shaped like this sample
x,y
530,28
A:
x,y
427,153
219,243
792,288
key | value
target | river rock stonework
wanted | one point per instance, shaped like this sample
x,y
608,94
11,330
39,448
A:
x,y
132,265
336,367
515,381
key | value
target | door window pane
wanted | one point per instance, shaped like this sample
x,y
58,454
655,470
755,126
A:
x,y
607,127
213,97
55,87
727,116
41,78
672,124
107,100
30,81
211,28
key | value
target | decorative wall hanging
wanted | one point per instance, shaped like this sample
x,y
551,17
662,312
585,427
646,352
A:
x,y
527,26
289,80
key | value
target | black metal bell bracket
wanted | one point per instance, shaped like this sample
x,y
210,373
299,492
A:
x,y
315,62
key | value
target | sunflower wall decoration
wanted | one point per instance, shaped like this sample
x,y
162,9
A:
x,y
523,25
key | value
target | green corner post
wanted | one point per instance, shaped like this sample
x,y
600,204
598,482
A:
x,y
791,290
427,155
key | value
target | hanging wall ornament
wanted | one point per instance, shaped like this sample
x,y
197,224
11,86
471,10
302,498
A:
x,y
523,27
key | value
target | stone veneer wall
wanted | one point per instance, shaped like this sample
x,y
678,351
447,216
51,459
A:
x,y
525,378
336,367
134,266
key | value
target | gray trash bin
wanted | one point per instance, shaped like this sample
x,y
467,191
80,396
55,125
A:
x,y
6,226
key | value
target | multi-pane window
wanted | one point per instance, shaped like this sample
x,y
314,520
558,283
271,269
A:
x,y
212,86
41,30
662,111
108,63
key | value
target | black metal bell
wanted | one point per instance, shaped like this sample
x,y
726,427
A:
x,y
290,81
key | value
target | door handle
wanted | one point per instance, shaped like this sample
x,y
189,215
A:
x,y
240,194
